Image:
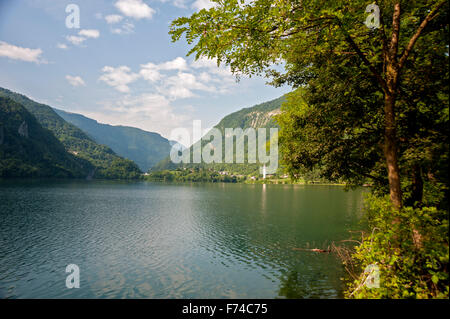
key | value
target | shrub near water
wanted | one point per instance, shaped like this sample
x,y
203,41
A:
x,y
411,249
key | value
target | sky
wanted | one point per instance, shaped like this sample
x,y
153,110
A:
x,y
120,66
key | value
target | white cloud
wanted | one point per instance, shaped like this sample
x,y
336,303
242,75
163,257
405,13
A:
x,y
119,77
126,28
174,79
113,18
179,3
178,92
204,63
89,33
224,72
205,77
176,64
197,4
148,111
18,53
82,36
203,4
61,46
174,87
150,72
182,85
75,40
201,75
75,80
136,9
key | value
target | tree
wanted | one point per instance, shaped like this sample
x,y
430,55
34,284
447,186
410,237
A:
x,y
251,38
336,125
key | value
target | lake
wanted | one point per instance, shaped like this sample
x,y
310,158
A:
x,y
154,240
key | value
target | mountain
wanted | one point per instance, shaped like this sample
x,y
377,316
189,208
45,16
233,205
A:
x,y
258,116
106,164
29,150
144,148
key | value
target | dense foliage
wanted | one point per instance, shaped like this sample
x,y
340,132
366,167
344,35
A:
x,y
193,175
407,268
198,174
104,163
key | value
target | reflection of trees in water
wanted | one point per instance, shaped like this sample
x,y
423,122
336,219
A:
x,y
321,282
258,227
293,286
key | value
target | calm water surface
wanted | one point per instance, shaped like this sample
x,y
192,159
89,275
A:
x,y
150,240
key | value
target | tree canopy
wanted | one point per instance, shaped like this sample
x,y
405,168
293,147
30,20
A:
x,y
376,75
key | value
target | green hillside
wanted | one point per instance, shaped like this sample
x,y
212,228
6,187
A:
x,y
144,148
258,116
29,150
106,163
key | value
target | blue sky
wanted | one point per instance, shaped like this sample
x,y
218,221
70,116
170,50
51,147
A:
x,y
120,67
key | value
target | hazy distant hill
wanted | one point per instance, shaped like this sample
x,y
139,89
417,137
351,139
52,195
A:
x,y
258,116
106,164
144,148
29,150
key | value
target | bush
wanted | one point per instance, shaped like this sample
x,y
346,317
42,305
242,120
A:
x,y
411,249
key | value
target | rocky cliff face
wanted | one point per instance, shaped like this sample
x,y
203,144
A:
x,y
258,116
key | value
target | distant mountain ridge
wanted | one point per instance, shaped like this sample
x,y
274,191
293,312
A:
x,y
104,162
82,136
144,148
258,116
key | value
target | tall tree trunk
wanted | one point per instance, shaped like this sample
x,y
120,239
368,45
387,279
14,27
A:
x,y
390,151
393,67
390,97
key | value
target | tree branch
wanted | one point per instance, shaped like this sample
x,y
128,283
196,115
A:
x,y
393,46
383,38
412,41
372,69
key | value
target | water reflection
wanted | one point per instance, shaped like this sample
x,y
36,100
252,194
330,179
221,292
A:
x,y
144,240
281,218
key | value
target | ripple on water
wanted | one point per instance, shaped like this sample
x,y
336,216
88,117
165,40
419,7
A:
x,y
142,240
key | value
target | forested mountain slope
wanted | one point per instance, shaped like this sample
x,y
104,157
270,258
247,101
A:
x,y
29,150
106,163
